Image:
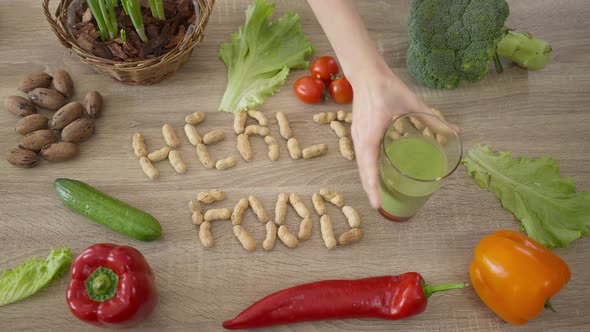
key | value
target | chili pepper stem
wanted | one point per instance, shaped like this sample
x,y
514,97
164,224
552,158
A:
x,y
429,289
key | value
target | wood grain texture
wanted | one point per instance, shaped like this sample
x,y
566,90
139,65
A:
x,y
530,113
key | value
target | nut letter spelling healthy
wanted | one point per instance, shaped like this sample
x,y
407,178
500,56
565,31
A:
x,y
226,163
205,234
332,196
327,232
138,145
208,197
246,239
271,236
314,151
298,205
177,162
204,156
192,134
217,214
214,136
159,154
350,236
240,122
352,216
287,237
284,128
305,229
194,118
318,204
244,147
294,149
239,209
258,116
273,148
170,135
150,171
258,208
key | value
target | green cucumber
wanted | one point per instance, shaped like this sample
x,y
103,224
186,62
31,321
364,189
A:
x,y
106,210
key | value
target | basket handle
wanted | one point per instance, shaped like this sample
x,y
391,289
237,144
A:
x,y
55,26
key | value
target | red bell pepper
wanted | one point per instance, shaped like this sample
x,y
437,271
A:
x,y
386,297
112,286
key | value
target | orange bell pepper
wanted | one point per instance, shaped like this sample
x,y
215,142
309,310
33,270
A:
x,y
515,275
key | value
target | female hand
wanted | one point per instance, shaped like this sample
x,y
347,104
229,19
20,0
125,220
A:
x,y
379,97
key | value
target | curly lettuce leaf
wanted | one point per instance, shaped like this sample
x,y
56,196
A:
x,y
260,55
550,209
33,275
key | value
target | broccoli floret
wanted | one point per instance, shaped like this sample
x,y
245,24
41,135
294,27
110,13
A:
x,y
455,40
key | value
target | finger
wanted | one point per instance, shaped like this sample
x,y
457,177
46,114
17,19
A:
x,y
433,120
366,152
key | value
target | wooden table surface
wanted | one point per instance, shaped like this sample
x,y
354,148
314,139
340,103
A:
x,y
530,113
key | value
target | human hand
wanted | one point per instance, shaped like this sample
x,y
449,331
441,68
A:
x,y
379,97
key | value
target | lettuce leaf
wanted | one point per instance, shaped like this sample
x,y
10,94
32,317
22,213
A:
x,y
550,209
33,275
260,55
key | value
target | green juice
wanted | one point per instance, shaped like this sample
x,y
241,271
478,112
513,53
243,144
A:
x,y
414,159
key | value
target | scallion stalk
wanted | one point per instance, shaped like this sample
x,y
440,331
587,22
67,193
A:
x,y
113,17
96,13
152,4
133,9
160,9
105,16
123,35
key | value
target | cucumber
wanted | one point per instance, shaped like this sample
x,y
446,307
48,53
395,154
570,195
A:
x,y
106,210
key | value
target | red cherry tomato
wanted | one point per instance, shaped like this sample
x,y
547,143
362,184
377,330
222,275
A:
x,y
341,90
309,89
324,67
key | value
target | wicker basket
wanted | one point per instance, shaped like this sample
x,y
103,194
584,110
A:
x,y
143,72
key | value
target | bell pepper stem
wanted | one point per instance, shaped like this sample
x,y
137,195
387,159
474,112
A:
x,y
549,306
430,289
102,284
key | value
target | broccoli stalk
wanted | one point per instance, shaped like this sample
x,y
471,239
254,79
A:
x,y
456,40
524,50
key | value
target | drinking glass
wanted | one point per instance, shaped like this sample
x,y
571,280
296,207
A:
x,y
418,151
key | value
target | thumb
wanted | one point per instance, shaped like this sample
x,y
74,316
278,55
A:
x,y
367,149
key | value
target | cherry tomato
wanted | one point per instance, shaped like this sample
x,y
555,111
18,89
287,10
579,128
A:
x,y
324,68
309,89
341,90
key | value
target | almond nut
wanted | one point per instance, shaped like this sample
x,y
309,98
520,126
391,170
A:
x,y
62,81
47,98
30,123
22,158
35,80
36,140
19,106
93,103
60,151
65,115
78,130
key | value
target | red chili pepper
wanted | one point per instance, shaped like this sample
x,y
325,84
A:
x,y
387,297
111,286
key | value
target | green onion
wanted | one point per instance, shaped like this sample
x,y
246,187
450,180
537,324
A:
x,y
133,9
157,8
114,24
123,35
107,21
96,13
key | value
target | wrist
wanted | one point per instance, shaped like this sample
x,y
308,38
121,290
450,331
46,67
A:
x,y
370,71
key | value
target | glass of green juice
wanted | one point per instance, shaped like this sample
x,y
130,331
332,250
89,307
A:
x,y
418,151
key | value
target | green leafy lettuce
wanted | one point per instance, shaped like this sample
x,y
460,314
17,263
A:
x,y
33,275
550,209
260,55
